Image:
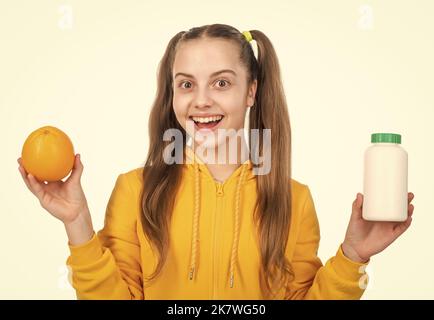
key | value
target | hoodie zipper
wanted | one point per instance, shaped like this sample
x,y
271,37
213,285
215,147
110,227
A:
x,y
219,196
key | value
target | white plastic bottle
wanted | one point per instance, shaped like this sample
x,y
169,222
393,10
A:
x,y
385,178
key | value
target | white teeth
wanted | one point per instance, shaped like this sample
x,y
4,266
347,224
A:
x,y
207,119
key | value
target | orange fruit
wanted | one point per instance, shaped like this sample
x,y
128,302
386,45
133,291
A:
x,y
48,154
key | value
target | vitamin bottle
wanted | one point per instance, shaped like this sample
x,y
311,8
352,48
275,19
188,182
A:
x,y
385,178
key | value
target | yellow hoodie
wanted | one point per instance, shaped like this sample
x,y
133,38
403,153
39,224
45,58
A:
x,y
213,251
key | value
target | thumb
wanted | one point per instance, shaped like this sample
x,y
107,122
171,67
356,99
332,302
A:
x,y
77,169
359,200
357,206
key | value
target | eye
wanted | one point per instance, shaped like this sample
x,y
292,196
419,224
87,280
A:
x,y
222,81
181,84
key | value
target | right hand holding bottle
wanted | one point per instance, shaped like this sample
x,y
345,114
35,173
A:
x,y
64,200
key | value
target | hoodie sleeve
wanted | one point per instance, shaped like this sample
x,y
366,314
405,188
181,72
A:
x,y
339,278
108,265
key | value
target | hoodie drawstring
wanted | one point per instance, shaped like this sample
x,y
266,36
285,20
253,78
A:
x,y
234,254
195,230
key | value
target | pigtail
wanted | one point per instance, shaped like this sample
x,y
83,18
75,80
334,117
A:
x,y
274,193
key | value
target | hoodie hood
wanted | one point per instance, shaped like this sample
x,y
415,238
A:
x,y
196,168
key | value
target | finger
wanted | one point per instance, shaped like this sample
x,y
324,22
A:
x,y
36,186
31,182
20,162
410,210
77,170
400,228
24,176
358,202
357,206
410,196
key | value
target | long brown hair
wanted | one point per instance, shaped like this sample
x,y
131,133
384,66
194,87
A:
x,y
273,204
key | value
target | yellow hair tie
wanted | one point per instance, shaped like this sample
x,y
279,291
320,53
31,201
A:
x,y
248,36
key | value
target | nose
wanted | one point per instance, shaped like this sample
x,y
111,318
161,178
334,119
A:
x,y
202,99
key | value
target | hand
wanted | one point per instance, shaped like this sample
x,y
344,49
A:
x,y
64,200
364,238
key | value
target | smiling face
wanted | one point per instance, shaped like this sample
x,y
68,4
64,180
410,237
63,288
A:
x,y
211,89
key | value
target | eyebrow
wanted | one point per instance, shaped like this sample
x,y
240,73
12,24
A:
x,y
212,75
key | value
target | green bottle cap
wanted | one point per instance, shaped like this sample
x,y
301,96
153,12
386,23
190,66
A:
x,y
385,137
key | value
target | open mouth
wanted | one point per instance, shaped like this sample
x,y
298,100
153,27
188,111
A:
x,y
209,123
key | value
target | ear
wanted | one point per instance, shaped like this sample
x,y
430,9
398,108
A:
x,y
251,93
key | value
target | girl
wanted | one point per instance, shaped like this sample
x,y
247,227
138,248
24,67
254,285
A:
x,y
182,227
